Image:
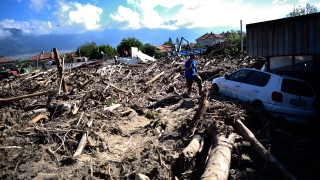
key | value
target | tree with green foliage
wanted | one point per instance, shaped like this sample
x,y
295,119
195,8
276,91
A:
x,y
149,50
127,43
88,50
298,11
169,42
233,42
107,50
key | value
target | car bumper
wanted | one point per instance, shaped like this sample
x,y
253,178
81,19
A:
x,y
291,114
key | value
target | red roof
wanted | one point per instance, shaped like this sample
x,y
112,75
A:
x,y
5,60
164,48
210,36
42,56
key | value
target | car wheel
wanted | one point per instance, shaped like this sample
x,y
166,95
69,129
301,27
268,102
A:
x,y
258,106
215,88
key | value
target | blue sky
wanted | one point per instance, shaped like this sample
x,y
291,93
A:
x,y
60,17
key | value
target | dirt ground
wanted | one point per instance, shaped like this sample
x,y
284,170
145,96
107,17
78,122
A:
x,y
135,127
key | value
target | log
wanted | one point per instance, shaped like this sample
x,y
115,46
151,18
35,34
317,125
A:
x,y
2,100
273,163
185,159
193,148
218,164
60,70
203,106
154,78
36,119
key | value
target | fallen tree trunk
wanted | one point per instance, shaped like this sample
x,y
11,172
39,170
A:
x,y
155,78
273,163
185,158
218,164
193,148
203,106
2,100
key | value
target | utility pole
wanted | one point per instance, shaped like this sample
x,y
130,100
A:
x,y
241,35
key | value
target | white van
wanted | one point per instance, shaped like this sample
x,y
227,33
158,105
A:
x,y
284,97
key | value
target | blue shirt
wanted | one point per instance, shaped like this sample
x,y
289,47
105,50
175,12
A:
x,y
189,73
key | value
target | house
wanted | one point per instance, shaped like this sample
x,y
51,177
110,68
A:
x,y
41,58
209,39
290,45
164,49
5,63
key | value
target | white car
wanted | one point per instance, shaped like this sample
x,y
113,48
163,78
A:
x,y
284,97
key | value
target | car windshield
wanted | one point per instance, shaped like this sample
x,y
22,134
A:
x,y
299,88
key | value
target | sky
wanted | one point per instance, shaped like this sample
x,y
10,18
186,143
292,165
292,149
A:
x,y
60,17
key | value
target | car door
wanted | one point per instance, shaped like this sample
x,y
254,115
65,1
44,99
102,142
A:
x,y
253,86
233,82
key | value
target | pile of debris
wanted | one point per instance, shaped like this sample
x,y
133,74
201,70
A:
x,y
130,121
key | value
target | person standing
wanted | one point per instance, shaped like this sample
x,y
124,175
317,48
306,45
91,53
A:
x,y
191,75
71,57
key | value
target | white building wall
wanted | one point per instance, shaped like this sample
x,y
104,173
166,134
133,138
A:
x,y
210,42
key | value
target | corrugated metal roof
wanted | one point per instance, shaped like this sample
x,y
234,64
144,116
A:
x,y
5,60
298,35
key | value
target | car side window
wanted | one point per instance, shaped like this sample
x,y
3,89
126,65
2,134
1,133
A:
x,y
257,78
239,76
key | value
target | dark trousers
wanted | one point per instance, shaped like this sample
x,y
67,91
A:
x,y
198,80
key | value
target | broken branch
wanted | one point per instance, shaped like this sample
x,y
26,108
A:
x,y
155,78
2,100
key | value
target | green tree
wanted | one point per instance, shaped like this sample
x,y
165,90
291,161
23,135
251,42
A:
x,y
298,11
127,43
88,50
169,42
149,50
108,51
233,42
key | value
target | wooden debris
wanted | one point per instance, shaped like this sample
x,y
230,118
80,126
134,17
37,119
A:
x,y
39,117
193,148
273,163
203,105
154,78
83,141
218,164
60,69
5,100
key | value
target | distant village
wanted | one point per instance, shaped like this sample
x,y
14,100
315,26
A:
x,y
45,60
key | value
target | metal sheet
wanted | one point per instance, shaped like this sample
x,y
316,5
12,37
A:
x,y
298,35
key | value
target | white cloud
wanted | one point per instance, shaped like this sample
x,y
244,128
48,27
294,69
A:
x,y
126,15
4,33
200,13
143,14
279,1
76,14
38,5
32,27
